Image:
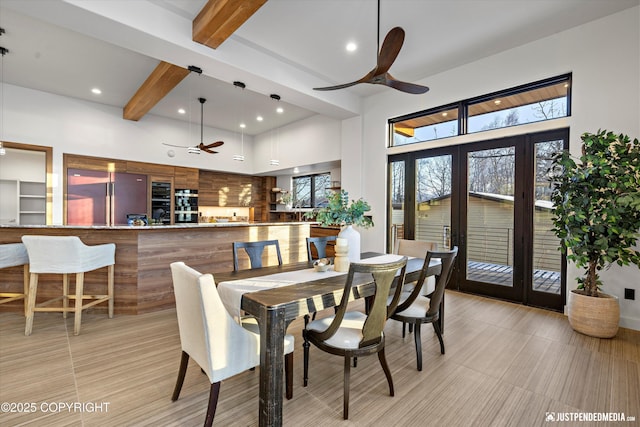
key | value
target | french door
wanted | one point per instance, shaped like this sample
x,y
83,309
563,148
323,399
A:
x,y
491,199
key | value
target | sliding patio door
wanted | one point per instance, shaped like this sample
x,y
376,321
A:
x,y
491,199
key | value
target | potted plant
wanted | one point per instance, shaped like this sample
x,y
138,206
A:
x,y
286,200
597,219
339,211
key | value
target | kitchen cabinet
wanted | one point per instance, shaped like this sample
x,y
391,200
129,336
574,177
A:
x,y
186,178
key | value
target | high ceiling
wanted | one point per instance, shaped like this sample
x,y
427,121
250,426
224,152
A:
x,y
287,47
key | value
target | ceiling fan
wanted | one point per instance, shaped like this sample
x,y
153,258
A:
x,y
380,75
196,149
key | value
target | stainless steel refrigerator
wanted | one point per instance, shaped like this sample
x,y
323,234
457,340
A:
x,y
104,198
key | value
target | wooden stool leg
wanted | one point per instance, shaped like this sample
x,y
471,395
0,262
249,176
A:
x,y
65,294
25,279
33,286
110,289
78,309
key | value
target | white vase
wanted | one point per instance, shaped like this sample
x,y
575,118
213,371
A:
x,y
353,239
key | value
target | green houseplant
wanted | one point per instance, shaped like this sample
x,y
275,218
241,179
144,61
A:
x,y
339,211
597,217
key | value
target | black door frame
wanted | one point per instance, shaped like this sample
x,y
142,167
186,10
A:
x,y
522,289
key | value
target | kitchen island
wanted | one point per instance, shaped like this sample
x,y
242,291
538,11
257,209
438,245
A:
x,y
143,255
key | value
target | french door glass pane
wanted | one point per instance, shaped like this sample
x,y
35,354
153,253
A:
x,y
433,200
546,257
490,208
397,192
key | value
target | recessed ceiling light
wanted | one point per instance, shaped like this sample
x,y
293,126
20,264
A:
x,y
259,118
242,125
279,110
96,91
497,102
181,111
445,114
351,47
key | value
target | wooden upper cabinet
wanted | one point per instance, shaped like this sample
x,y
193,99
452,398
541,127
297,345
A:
x,y
227,189
93,163
186,178
150,168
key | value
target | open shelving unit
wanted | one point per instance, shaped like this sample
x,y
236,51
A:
x,y
24,202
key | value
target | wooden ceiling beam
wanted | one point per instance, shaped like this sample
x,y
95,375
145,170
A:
x,y
218,19
159,83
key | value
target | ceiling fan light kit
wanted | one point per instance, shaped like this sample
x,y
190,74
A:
x,y
386,56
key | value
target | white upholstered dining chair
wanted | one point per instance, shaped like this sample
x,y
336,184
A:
x,y
67,255
15,255
210,336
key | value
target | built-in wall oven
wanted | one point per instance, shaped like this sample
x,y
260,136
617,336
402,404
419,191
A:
x,y
186,207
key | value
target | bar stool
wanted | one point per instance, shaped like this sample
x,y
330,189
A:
x,y
14,255
67,255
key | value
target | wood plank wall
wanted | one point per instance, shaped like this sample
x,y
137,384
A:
x,y
143,255
227,189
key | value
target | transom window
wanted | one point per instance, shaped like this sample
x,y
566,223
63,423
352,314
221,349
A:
x,y
543,100
310,191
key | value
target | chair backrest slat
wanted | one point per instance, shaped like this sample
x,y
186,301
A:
x,y
320,243
447,258
254,250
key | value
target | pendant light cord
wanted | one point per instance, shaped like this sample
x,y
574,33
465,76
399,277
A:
x,y
378,38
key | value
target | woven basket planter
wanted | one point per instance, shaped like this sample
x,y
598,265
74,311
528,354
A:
x,y
596,317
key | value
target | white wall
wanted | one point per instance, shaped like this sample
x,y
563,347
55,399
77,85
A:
x,y
604,57
309,141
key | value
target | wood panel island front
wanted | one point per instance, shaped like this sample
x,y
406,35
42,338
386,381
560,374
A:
x,y
143,255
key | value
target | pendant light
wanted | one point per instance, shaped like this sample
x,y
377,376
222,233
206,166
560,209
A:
x,y
240,157
274,159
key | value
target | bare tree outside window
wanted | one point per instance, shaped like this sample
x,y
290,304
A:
x,y
310,191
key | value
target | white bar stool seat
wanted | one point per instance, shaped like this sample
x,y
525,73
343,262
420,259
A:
x,y
14,255
67,255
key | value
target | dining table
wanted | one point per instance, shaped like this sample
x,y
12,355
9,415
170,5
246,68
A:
x,y
275,307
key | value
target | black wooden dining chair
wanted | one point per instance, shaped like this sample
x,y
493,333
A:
x,y
353,333
418,308
418,249
254,251
320,245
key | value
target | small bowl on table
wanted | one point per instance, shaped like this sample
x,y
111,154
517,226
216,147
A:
x,y
321,265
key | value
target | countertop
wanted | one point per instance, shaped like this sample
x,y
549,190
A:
x,y
163,227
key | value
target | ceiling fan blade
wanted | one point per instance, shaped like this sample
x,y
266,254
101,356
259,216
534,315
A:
x,y
212,145
338,86
404,86
364,79
208,150
390,49
179,146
